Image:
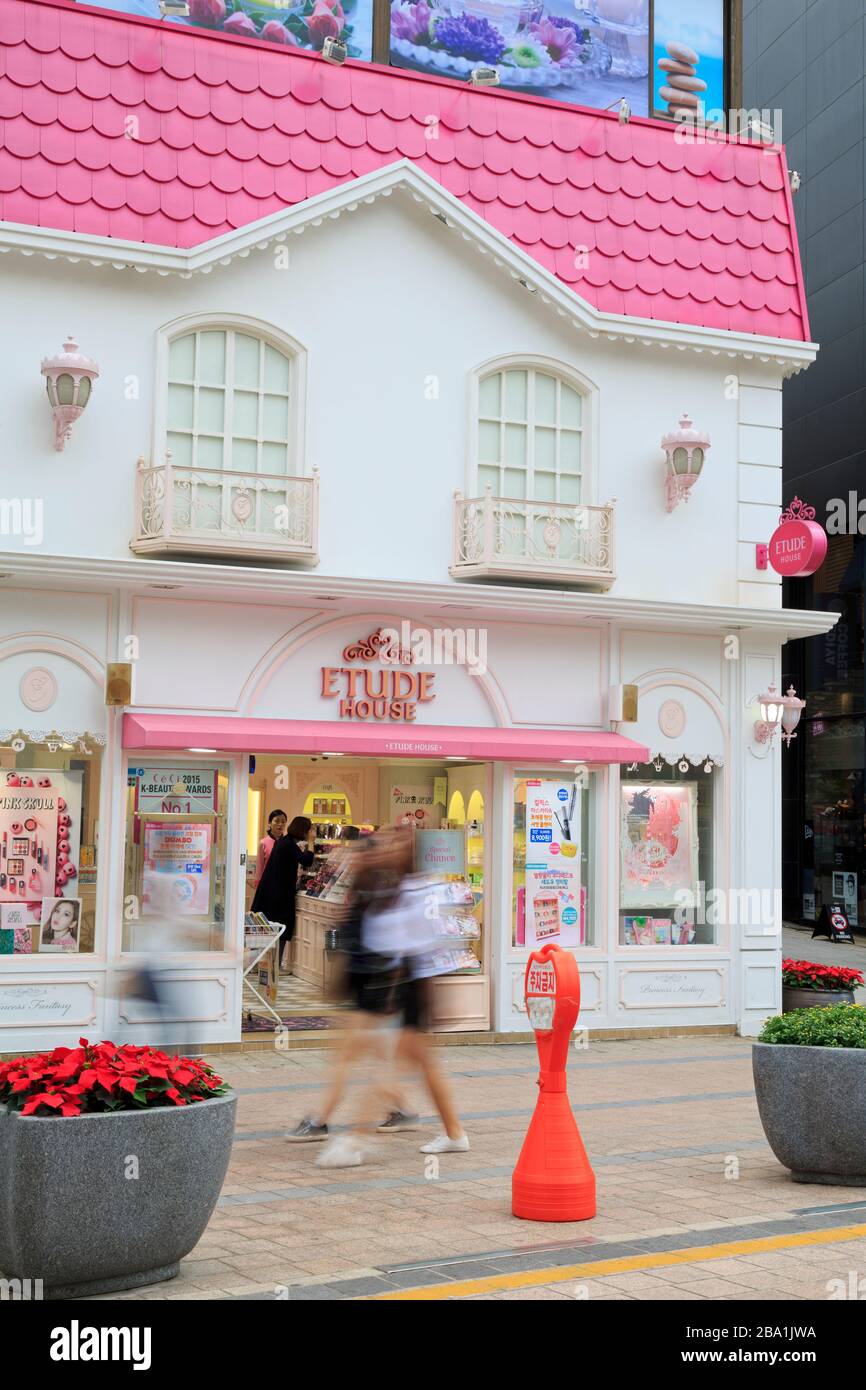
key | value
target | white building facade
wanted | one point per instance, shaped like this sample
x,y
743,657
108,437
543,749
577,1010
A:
x,y
374,410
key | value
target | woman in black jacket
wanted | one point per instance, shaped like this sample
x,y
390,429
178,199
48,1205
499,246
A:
x,y
275,895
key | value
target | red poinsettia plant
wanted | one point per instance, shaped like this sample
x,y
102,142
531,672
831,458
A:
x,y
92,1079
809,974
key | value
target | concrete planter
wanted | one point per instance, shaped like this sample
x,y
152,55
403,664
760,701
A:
x,y
795,998
812,1103
72,1211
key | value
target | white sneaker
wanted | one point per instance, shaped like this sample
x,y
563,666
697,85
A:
x,y
342,1152
443,1145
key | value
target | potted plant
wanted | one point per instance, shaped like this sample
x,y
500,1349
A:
x,y
810,1082
806,983
111,1162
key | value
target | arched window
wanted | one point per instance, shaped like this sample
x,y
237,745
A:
x,y
529,440
231,401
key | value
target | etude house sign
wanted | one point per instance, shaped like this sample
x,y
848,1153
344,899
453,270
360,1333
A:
x,y
380,692
799,543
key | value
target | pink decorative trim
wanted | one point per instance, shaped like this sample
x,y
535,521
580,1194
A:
x,y
797,511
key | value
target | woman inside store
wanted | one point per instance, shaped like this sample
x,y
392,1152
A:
x,y
277,821
275,895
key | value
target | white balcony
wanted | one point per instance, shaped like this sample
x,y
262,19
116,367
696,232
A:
x,y
505,537
215,511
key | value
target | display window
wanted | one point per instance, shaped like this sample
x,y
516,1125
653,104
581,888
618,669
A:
x,y
553,875
666,828
49,841
175,863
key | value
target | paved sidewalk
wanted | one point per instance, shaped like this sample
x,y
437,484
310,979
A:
x,y
691,1202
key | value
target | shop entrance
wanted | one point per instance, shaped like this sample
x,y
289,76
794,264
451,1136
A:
x,y
446,803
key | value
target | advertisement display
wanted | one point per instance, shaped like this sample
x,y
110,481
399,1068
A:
x,y
174,791
440,852
689,58
303,25
592,55
552,898
845,890
414,805
663,58
659,842
40,834
177,869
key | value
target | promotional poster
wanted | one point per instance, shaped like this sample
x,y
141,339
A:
x,y
552,900
414,805
592,55
659,841
689,58
177,869
40,834
303,25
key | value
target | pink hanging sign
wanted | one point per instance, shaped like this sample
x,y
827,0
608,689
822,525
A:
x,y
799,543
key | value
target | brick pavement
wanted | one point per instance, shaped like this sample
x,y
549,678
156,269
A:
x,y
672,1130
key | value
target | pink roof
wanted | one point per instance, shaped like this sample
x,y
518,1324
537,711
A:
x,y
230,130
228,734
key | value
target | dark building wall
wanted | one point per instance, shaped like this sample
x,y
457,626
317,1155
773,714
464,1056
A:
x,y
807,59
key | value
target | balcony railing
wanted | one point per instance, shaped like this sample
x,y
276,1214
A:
x,y
217,511
511,538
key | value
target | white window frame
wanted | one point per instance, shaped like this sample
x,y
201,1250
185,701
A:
x,y
550,366
296,460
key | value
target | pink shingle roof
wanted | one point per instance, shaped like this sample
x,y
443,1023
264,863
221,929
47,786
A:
x,y
160,134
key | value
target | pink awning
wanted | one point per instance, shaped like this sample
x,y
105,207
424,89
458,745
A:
x,y
235,735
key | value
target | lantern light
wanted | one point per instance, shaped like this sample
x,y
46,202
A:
x,y
69,379
685,450
772,707
792,707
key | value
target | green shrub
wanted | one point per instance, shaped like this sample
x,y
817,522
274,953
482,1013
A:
x,y
841,1025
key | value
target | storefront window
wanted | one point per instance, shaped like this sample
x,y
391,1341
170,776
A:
x,y
552,880
175,869
666,856
49,839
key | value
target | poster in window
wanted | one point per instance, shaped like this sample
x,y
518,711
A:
x,y
593,55
303,25
176,880
659,843
414,806
689,59
40,833
552,902
60,925
845,891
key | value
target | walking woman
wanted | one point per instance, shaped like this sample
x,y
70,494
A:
x,y
275,895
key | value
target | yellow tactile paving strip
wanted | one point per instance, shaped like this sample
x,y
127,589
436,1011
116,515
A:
x,y
561,1274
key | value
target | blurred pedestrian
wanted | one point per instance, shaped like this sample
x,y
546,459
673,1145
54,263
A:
x,y
390,962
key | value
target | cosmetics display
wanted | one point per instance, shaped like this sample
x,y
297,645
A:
x,y
655,931
40,817
457,925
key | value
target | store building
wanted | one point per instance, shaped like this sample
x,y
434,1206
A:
x,y
804,62
353,379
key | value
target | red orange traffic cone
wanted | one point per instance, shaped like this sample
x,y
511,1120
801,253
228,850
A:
x,y
553,1179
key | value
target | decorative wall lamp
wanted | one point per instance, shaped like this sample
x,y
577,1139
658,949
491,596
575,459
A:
x,y
685,450
791,709
777,712
68,378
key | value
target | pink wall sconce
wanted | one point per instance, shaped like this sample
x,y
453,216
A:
x,y
69,379
778,712
685,450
